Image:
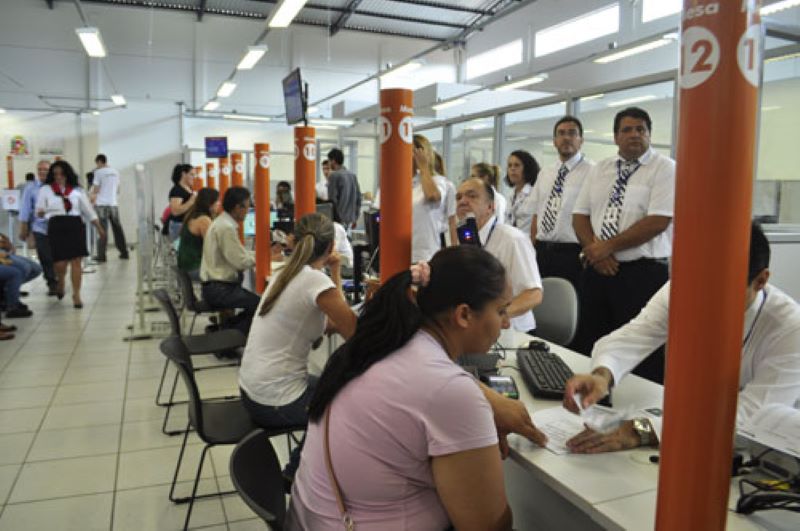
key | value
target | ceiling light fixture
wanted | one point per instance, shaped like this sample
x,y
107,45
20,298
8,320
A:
x,y
284,13
226,89
778,6
118,99
253,56
592,97
211,106
403,70
92,43
332,121
629,101
2,111
646,47
312,109
448,103
538,78
247,117
782,57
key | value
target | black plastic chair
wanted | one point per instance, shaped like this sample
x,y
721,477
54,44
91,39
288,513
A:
x,y
256,475
190,300
195,345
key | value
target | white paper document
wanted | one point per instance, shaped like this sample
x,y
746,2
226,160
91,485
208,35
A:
x,y
776,426
559,425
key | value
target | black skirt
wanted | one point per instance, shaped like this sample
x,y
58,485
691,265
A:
x,y
67,236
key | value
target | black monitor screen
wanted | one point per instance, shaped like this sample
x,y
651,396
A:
x,y
293,97
216,147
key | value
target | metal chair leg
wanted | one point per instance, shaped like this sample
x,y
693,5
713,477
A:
x,y
161,385
169,408
178,467
194,487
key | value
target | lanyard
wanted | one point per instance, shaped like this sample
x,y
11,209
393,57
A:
x,y
753,325
491,231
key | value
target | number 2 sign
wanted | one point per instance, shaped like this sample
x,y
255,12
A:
x,y
699,56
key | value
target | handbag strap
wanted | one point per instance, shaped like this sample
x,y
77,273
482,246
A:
x,y
347,520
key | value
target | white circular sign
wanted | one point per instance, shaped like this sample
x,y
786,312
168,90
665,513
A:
x,y
748,54
406,129
212,172
239,167
296,151
384,129
226,170
310,151
699,56
263,161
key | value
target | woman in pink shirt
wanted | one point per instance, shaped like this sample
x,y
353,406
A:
x,y
412,441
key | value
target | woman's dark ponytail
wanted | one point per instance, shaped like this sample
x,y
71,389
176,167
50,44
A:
x,y
388,320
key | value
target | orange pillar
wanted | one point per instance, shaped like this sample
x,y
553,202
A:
x,y
197,183
305,171
224,176
10,171
720,65
263,265
211,176
237,179
395,134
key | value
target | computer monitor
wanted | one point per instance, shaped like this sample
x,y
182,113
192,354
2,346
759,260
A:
x,y
372,225
326,209
294,98
216,147
250,224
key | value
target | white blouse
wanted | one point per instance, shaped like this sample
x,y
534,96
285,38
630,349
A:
x,y
53,205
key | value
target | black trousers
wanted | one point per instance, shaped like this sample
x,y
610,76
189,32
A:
x,y
607,303
106,215
561,260
230,296
45,259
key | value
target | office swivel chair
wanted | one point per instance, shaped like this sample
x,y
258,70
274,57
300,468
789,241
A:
x,y
557,315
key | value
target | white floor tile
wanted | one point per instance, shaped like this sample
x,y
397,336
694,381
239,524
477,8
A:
x,y
75,442
80,415
19,420
147,435
16,379
25,362
156,467
89,392
25,397
14,447
78,374
137,409
80,513
8,473
247,525
65,477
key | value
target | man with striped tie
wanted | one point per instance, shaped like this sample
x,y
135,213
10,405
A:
x,y
554,196
623,219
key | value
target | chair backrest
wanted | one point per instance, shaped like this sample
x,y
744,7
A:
x,y
557,315
163,299
256,475
175,350
187,291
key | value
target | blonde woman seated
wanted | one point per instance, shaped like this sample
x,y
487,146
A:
x,y
300,303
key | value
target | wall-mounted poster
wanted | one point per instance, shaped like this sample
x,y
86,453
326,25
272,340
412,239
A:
x,y
51,145
19,147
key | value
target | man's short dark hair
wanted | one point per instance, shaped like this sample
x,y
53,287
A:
x,y
100,159
566,119
235,196
633,112
336,156
759,252
326,162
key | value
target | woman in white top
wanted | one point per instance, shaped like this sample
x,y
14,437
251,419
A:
x,y
274,380
522,173
65,205
490,173
428,202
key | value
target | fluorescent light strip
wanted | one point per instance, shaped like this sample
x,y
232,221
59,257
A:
x,y
523,82
226,89
323,126
402,70
284,13
585,28
311,109
770,108
211,106
646,47
332,121
783,57
628,101
779,6
593,97
247,117
253,55
118,99
448,104
92,43
2,111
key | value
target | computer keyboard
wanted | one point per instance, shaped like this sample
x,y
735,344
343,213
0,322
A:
x,y
544,373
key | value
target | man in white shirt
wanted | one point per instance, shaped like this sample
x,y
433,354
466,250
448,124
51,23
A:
x,y
770,368
554,196
623,219
510,246
225,259
105,189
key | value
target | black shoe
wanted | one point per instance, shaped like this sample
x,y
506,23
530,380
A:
x,y
99,260
52,292
23,293
287,484
78,305
18,312
123,257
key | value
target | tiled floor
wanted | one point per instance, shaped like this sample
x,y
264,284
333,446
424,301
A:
x,y
81,446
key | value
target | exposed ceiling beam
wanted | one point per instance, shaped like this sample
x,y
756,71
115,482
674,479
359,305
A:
x,y
201,9
343,18
448,7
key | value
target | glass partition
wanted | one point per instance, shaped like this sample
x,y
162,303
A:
x,y
532,130
597,112
471,142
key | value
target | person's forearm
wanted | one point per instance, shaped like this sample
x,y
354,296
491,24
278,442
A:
x,y
534,223
524,302
640,232
429,188
583,229
336,276
453,231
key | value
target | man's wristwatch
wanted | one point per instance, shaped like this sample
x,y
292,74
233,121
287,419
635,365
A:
x,y
644,430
